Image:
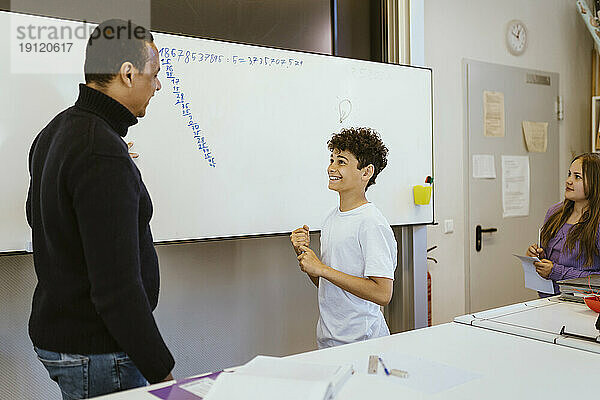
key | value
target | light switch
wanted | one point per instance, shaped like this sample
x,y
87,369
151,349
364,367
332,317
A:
x,y
448,225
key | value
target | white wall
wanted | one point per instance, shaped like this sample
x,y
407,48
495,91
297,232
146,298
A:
x,y
457,29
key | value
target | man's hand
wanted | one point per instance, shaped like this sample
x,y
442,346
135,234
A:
x,y
310,263
544,267
535,251
129,146
300,237
168,378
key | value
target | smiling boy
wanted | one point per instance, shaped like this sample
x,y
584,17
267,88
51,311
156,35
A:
x,y
358,248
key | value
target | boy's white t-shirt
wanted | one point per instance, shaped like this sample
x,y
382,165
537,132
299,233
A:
x,y
358,242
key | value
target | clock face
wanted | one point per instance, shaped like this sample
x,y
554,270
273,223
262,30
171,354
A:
x,y
516,37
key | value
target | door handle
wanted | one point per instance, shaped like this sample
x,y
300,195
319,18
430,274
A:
x,y
478,231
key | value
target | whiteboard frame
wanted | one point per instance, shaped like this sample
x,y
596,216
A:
x,y
281,233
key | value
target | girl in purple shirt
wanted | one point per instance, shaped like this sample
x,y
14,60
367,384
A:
x,y
569,239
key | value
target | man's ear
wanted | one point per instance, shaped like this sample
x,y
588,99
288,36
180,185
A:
x,y
126,73
367,172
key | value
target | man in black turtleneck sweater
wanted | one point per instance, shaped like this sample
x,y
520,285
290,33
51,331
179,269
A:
x,y
91,320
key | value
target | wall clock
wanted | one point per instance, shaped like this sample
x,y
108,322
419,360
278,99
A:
x,y
516,37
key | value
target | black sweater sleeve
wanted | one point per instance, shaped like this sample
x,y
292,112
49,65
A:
x,y
28,201
106,198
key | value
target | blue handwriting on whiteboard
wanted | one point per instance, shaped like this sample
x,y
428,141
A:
x,y
186,111
199,57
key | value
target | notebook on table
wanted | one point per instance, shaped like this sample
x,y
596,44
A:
x,y
276,378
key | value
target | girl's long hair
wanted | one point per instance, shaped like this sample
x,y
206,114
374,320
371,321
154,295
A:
x,y
586,230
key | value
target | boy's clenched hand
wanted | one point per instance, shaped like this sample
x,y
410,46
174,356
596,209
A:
x,y
300,237
310,263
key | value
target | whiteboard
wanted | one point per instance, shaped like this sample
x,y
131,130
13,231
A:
x,y
245,152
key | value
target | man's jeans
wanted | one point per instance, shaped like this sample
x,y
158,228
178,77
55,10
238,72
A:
x,y
84,376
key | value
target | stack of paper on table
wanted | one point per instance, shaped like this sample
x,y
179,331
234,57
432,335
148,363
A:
x,y
276,378
587,283
577,288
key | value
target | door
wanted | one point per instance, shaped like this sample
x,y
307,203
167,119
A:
x,y
494,276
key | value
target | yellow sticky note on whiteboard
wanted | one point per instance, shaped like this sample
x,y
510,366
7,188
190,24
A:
x,y
422,194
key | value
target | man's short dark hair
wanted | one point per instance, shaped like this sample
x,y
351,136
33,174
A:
x,y
112,43
365,144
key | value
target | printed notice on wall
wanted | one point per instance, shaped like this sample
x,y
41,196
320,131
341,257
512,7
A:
x,y
493,114
483,166
515,186
536,136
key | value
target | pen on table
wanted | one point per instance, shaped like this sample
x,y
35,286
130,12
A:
x,y
387,372
395,372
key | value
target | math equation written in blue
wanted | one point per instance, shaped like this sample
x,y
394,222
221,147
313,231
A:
x,y
186,112
199,57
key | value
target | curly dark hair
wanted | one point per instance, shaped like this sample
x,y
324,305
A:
x,y
365,144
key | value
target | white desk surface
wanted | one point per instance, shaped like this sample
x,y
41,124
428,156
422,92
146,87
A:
x,y
541,319
508,366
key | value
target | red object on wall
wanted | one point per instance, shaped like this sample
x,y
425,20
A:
x,y
428,298
429,286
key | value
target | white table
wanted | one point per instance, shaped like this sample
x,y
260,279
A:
x,y
505,366
543,320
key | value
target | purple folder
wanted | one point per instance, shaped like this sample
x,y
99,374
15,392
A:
x,y
175,392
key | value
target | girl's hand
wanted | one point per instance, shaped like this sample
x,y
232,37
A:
x,y
543,268
535,251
